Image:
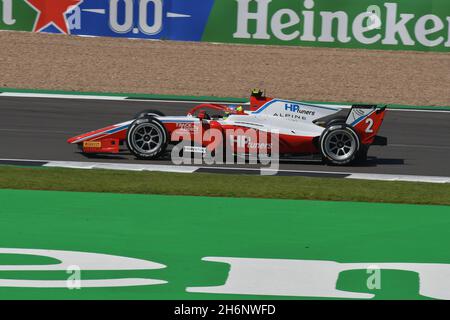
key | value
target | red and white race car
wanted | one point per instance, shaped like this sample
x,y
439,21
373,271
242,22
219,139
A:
x,y
335,134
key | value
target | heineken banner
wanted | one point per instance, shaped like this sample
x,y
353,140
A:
x,y
422,25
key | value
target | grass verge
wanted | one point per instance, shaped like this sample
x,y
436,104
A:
x,y
223,185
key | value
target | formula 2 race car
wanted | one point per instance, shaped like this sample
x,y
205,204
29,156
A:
x,y
336,134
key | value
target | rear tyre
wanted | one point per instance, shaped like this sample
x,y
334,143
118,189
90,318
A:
x,y
339,144
147,138
151,113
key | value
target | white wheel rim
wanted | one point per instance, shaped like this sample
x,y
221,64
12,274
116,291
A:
x,y
147,138
340,145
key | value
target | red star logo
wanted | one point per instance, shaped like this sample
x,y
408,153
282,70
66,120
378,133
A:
x,y
52,12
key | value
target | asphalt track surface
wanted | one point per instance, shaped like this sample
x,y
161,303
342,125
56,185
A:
x,y
37,129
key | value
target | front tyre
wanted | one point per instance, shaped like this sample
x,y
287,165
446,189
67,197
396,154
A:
x,y
147,138
339,144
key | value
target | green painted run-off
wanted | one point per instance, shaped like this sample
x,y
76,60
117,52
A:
x,y
179,231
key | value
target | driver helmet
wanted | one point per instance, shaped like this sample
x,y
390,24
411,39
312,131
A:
x,y
238,109
258,93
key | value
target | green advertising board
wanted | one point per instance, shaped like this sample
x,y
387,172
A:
x,y
370,24
16,16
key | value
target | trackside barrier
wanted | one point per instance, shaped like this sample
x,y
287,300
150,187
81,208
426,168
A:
x,y
420,25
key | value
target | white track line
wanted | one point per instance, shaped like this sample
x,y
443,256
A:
x,y
97,97
274,171
119,166
393,177
124,98
58,96
193,169
184,101
265,171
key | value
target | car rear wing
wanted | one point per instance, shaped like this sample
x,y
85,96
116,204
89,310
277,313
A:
x,y
367,120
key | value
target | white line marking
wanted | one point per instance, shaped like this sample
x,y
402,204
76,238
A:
x,y
274,170
189,169
24,160
94,97
192,169
351,175
393,177
182,101
58,96
120,166
120,98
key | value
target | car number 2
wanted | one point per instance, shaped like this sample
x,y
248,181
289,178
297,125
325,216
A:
x,y
369,123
